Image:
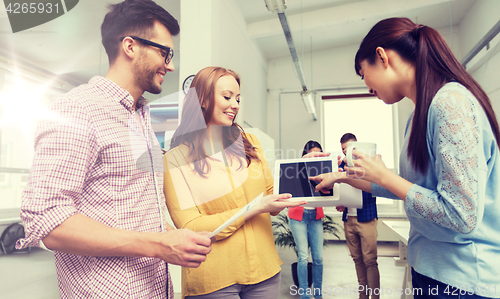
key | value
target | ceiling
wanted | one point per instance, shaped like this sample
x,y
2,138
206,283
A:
x,y
323,24
70,45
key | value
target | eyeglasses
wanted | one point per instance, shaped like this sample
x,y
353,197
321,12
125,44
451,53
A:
x,y
167,52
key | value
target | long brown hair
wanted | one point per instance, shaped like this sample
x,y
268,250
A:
x,y
192,130
435,65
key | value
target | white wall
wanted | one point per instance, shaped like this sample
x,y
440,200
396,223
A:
x,y
213,33
333,69
290,125
487,76
235,50
484,68
480,18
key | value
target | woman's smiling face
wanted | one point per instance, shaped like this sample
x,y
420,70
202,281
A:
x,y
383,77
374,77
226,102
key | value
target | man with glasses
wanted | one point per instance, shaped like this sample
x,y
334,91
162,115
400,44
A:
x,y
95,192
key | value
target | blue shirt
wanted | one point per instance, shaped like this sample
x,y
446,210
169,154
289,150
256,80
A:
x,y
369,210
454,208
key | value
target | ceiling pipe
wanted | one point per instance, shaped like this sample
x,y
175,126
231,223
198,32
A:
x,y
291,47
481,44
307,96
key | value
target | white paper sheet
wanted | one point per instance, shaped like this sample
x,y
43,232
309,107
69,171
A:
x,y
240,213
350,197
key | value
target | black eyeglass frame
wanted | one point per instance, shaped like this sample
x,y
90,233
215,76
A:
x,y
170,51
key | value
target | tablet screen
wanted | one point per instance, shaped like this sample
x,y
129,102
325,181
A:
x,y
294,177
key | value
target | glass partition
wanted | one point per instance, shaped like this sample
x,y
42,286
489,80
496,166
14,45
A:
x,y
22,102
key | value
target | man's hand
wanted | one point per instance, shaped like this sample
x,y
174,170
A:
x,y
340,208
184,247
169,227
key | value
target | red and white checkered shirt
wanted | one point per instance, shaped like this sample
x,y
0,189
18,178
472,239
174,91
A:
x,y
93,158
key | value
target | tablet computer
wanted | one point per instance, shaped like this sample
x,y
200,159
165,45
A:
x,y
292,176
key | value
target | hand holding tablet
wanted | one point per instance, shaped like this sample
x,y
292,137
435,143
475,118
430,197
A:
x,y
275,203
260,204
293,176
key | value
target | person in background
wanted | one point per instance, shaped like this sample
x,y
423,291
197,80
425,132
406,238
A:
x,y
212,171
360,228
91,198
449,163
306,225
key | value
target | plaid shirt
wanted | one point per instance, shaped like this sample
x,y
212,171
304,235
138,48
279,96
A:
x,y
93,158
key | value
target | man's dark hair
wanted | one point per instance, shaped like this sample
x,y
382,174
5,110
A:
x,y
347,136
133,17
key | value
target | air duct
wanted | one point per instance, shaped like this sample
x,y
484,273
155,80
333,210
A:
x,y
276,5
279,7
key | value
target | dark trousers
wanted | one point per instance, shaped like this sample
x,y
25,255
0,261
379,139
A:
x,y
425,287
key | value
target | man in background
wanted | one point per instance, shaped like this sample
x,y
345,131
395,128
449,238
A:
x,y
360,228
95,192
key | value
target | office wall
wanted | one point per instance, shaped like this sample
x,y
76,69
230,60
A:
x,y
288,121
480,18
235,50
331,72
214,34
484,68
487,76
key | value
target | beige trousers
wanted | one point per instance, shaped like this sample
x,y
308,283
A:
x,y
361,238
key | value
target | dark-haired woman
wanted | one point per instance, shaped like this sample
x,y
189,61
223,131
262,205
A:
x,y
449,165
213,170
306,225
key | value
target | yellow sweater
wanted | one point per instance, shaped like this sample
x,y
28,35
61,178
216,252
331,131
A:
x,y
244,252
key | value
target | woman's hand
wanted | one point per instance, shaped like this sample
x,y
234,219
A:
x,y
369,168
273,204
373,170
327,180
